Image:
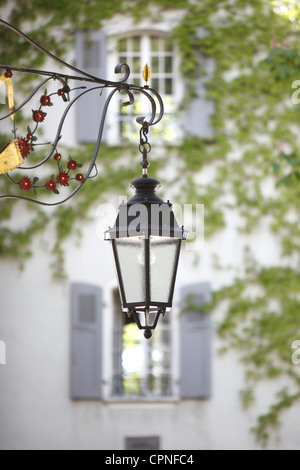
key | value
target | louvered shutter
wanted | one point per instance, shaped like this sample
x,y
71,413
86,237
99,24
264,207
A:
x,y
195,343
91,56
86,341
197,116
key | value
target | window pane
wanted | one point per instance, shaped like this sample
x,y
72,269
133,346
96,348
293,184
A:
x,y
169,86
155,65
136,65
136,44
168,64
154,84
122,45
154,44
132,360
169,45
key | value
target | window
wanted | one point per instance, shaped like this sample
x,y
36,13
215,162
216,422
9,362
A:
x,y
99,53
159,53
141,368
142,443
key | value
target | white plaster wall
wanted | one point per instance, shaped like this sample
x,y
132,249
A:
x,y
35,409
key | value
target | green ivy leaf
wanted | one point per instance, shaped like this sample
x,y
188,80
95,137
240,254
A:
x,y
276,167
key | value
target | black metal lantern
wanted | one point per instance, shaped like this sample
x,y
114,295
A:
x,y
146,238
146,242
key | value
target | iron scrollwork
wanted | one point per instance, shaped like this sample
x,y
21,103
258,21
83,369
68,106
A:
x,y
157,112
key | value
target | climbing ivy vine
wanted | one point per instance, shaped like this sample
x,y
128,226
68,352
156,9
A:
x,y
255,142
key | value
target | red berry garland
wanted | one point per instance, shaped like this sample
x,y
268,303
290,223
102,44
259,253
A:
x,y
63,178
24,147
25,183
45,100
38,116
79,177
51,185
72,165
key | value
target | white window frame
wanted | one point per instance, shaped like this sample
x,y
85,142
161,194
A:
x,y
112,123
108,363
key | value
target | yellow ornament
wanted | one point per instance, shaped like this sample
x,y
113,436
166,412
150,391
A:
x,y
10,157
146,73
10,92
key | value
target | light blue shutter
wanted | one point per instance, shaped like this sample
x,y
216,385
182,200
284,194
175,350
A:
x,y
195,343
91,57
119,321
197,115
86,341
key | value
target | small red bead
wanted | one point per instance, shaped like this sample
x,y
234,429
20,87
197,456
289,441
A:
x,y
45,100
79,177
72,165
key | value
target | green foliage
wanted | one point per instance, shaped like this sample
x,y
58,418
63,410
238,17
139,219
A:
x,y
263,328
252,122
283,63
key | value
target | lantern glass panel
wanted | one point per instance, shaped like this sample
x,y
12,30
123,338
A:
x,y
130,261
164,253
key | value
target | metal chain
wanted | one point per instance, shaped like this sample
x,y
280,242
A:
x,y
144,147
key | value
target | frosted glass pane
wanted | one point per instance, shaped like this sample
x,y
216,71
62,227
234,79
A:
x,y
163,262
131,255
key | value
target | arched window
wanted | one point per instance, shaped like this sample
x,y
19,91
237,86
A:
x,y
160,54
99,53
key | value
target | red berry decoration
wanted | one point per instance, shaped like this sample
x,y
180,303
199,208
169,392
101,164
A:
x,y
8,74
24,147
63,178
57,157
79,177
51,185
45,100
25,184
72,165
38,116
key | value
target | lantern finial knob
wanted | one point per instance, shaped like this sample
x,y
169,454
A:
x,y
148,333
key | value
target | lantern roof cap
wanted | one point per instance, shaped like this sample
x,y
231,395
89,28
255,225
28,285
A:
x,y
145,189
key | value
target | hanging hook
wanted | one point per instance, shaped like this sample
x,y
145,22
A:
x,y
144,148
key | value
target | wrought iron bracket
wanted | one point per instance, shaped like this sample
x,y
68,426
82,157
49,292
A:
x,y
157,108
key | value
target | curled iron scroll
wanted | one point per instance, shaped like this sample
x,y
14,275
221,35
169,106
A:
x,y
157,108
